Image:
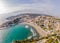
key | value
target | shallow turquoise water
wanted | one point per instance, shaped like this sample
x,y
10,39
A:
x,y
18,32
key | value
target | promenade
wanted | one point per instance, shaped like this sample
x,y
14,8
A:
x,y
40,31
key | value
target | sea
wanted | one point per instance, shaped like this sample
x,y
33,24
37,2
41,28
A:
x,y
17,32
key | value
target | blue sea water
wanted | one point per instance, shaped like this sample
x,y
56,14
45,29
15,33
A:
x,y
18,32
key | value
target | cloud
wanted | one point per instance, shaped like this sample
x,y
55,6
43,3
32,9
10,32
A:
x,y
2,7
39,6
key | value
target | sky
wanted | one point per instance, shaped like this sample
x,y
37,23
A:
x,y
49,7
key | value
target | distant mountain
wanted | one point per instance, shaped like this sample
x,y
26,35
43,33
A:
x,y
23,14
